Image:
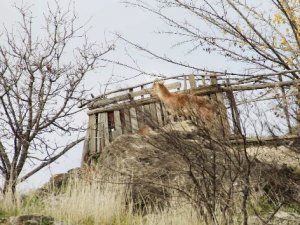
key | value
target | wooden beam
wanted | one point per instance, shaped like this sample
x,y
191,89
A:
x,y
128,96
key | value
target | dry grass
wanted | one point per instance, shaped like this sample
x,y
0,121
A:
x,y
92,203
84,203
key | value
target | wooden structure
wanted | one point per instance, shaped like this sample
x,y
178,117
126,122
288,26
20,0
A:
x,y
126,110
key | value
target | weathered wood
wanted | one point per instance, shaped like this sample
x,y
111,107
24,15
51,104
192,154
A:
x,y
86,150
105,135
297,95
102,118
285,105
165,114
237,128
133,118
192,81
92,127
147,115
266,140
118,125
203,80
159,114
203,90
100,132
221,107
128,96
153,114
127,128
140,116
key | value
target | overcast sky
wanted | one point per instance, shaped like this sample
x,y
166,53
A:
x,y
105,18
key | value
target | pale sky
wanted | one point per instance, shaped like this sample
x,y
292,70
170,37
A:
x,y
107,17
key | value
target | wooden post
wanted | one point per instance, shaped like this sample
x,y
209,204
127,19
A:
x,y
153,115
133,118
221,109
93,134
159,114
127,121
118,125
192,81
103,133
285,105
237,128
203,80
297,129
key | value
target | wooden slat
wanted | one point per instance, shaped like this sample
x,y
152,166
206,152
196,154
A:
x,y
192,81
118,125
106,132
185,83
100,132
165,115
159,114
92,134
234,111
140,116
127,128
129,96
153,114
86,150
222,109
203,90
147,115
133,118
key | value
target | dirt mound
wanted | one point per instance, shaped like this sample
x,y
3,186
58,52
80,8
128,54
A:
x,y
181,158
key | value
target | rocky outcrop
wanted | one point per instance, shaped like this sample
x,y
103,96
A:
x,y
33,220
183,158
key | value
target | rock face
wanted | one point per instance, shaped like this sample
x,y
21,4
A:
x,y
145,164
33,220
181,157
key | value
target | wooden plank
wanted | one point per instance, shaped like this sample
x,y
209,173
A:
x,y
192,81
129,96
118,125
153,114
203,80
133,118
159,114
106,131
203,90
277,141
221,108
237,128
100,131
165,114
285,106
140,116
147,115
86,151
127,128
92,130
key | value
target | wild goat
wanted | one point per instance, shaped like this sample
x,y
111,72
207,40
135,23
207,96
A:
x,y
186,105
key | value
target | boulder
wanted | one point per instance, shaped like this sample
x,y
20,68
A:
x,y
33,220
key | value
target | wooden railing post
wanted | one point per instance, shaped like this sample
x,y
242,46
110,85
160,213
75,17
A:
x,y
285,106
237,128
221,108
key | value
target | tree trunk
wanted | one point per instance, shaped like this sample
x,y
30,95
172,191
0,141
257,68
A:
x,y
9,188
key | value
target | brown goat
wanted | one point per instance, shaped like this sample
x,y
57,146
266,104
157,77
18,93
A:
x,y
186,104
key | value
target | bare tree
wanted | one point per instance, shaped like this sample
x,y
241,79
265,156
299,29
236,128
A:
x,y
264,35
41,84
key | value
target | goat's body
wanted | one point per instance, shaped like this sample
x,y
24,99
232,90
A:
x,y
185,104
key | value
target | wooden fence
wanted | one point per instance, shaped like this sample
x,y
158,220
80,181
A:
x,y
126,110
